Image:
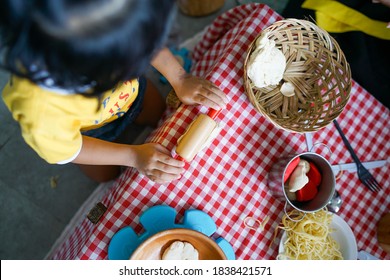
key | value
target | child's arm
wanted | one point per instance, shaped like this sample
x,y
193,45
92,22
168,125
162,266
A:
x,y
189,89
151,159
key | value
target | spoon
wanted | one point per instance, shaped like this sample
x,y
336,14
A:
x,y
335,202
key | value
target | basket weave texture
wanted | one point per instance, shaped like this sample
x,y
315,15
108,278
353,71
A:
x,y
317,68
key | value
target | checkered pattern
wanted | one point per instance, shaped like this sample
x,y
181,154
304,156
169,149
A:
x,y
228,180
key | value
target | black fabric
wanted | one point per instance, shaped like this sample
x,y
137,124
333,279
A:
x,y
368,56
372,10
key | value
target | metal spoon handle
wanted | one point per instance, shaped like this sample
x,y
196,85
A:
x,y
346,142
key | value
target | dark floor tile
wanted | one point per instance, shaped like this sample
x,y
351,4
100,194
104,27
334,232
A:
x,y
27,230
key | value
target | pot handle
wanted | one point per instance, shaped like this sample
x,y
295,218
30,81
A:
x,y
327,147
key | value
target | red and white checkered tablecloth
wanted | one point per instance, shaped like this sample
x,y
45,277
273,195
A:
x,y
228,180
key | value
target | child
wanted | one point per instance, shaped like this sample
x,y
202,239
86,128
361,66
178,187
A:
x,y
77,81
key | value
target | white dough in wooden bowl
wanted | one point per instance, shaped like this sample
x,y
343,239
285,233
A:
x,y
180,251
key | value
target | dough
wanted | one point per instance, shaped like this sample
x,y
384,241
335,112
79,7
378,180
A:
x,y
287,89
180,251
266,64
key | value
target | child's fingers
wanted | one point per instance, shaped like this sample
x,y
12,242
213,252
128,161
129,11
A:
x,y
215,94
165,157
209,98
164,173
170,167
164,168
208,102
161,177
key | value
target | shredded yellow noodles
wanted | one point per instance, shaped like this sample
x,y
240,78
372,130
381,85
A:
x,y
255,224
309,238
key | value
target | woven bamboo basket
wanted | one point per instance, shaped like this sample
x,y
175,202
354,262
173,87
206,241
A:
x,y
317,68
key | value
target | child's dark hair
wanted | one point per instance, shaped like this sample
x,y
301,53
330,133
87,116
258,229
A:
x,y
82,44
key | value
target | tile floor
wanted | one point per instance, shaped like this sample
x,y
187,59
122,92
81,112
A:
x,y
38,200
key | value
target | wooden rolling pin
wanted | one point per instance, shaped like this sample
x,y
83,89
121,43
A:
x,y
196,136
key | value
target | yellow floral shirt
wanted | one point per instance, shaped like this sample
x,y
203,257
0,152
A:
x,y
51,122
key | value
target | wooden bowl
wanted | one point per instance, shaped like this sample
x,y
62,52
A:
x,y
153,247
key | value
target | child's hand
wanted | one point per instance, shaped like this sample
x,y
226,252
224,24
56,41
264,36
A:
x,y
198,91
155,161
189,89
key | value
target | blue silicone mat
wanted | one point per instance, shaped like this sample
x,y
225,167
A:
x,y
159,218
